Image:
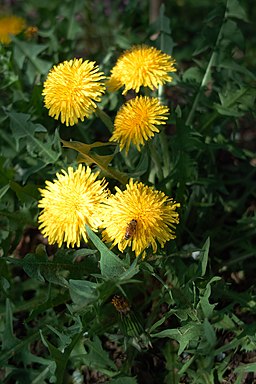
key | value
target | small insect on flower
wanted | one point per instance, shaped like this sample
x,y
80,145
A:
x,y
131,229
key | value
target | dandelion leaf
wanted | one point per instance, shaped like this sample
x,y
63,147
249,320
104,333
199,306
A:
x,y
89,157
110,265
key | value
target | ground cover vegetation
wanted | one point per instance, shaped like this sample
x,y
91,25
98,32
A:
x,y
127,192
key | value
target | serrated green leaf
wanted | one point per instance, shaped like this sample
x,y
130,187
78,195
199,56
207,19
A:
x,y
83,292
207,308
110,264
231,33
89,158
234,9
231,64
157,324
26,194
9,340
64,340
60,358
32,265
25,52
97,357
40,267
22,127
184,335
228,111
132,271
209,333
225,323
193,74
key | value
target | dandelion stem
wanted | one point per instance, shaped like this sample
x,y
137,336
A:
x,y
105,119
157,160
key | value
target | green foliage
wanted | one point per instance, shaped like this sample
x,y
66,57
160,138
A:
x,y
189,314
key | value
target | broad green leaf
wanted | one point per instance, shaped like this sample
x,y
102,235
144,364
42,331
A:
x,y
132,271
26,55
20,346
9,340
40,164
83,292
193,74
233,101
184,335
26,194
232,65
97,357
228,111
225,322
22,127
45,373
84,252
64,340
231,33
60,357
110,264
207,308
157,324
32,265
87,156
235,10
209,333
57,270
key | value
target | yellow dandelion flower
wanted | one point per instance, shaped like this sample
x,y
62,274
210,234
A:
x,y
10,25
137,121
72,89
139,217
141,66
69,202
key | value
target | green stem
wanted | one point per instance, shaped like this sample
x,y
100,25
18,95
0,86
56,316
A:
x,y
105,119
207,73
165,153
157,160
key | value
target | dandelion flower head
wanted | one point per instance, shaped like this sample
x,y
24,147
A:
x,y
10,25
72,89
137,121
69,203
141,66
152,214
